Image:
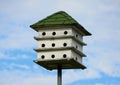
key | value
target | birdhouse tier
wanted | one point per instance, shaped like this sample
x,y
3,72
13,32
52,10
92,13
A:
x,y
60,42
68,58
60,33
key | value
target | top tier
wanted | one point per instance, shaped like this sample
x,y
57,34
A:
x,y
59,19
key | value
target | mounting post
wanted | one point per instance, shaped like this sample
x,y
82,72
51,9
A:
x,y
59,72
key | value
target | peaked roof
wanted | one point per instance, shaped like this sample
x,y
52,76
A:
x,y
58,18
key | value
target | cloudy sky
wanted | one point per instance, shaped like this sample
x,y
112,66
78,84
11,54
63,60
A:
x,y
100,17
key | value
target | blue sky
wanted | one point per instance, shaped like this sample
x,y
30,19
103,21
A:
x,y
100,17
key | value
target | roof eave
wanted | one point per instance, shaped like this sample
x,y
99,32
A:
x,y
81,28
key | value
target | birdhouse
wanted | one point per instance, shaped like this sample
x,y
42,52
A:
x,y
60,42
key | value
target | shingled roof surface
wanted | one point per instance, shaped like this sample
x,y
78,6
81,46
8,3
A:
x,y
59,18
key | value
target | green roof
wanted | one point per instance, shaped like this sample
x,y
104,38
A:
x,y
60,18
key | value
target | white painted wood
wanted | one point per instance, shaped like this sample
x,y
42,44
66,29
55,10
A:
x,y
76,57
60,43
59,32
77,35
77,45
57,42
58,54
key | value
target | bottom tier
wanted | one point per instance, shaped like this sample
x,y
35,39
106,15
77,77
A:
x,y
67,63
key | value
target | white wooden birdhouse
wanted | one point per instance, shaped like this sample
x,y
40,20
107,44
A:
x,y
60,42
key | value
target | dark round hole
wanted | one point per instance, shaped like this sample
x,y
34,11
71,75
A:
x,y
54,33
64,55
43,33
65,32
76,46
53,44
76,58
43,45
76,35
53,56
42,56
64,44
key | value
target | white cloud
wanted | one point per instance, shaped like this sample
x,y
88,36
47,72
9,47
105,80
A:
x,y
99,84
105,84
1,55
33,9
104,60
75,75
9,56
25,10
17,38
17,9
19,66
12,66
37,78
25,78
